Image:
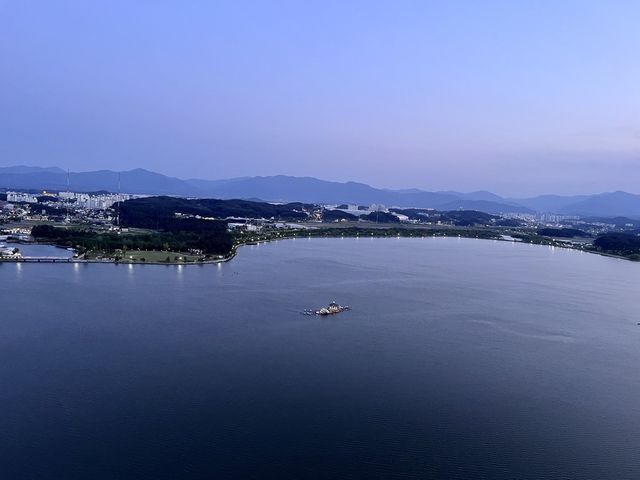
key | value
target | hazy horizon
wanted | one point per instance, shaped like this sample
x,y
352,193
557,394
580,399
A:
x,y
408,187
493,96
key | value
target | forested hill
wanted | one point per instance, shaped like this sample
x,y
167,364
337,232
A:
x,y
625,244
456,217
154,212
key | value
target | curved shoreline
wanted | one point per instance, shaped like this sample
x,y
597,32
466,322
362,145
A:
x,y
234,250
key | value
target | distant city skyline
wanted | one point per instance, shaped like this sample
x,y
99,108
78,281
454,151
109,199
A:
x,y
517,98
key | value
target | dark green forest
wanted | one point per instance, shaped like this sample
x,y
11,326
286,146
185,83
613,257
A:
x,y
333,215
626,244
213,239
159,212
562,232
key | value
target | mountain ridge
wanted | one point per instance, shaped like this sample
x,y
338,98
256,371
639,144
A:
x,y
287,188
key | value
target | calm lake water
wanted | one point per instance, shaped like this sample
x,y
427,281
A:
x,y
461,359
30,250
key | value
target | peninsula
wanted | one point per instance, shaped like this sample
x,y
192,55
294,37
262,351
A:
x,y
172,230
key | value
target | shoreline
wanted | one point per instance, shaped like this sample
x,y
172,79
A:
x,y
234,251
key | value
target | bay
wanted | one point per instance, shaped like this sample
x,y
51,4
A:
x,y
459,359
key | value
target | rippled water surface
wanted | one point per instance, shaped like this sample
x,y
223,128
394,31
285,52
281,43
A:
x,y
460,359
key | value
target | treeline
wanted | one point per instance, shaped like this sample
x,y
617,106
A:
x,y
401,232
625,244
508,222
380,217
465,218
562,232
213,241
158,213
461,218
47,198
186,230
51,211
334,215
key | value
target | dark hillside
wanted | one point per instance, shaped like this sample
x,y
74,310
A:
x,y
148,212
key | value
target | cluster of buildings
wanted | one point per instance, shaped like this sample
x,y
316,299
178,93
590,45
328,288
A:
x,y
359,210
245,224
20,197
540,217
10,251
66,207
91,201
102,201
12,211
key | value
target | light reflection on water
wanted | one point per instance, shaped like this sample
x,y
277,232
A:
x,y
459,359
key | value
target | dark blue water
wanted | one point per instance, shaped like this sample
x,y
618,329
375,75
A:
x,y
31,250
460,359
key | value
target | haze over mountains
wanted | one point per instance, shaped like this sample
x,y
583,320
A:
x,y
282,188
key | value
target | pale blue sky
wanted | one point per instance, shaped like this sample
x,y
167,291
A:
x,y
515,97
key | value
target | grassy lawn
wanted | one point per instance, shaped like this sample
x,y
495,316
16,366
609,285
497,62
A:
x,y
158,256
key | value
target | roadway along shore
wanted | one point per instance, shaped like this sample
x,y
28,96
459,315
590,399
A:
x,y
318,231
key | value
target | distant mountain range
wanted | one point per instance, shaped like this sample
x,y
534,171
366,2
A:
x,y
282,188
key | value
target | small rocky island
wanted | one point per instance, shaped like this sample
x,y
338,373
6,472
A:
x,y
332,309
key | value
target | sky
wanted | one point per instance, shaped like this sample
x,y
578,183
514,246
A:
x,y
515,97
